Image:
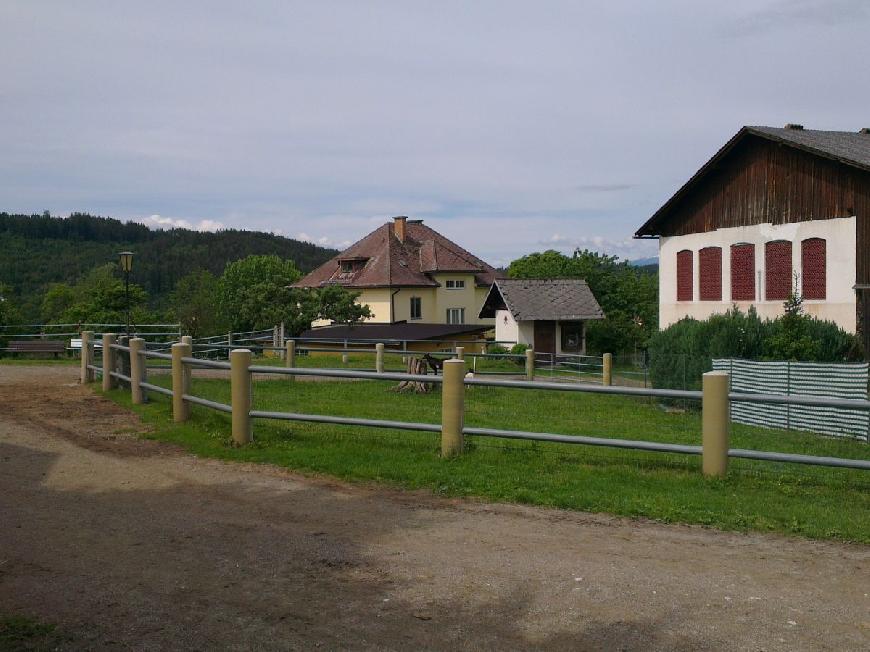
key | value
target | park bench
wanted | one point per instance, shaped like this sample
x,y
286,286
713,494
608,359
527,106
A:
x,y
36,346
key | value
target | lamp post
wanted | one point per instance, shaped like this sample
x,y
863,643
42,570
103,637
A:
x,y
127,267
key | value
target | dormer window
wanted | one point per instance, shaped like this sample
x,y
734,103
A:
x,y
350,266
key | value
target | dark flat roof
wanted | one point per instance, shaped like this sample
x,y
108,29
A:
x,y
397,331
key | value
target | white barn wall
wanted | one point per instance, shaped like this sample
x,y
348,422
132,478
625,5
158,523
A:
x,y
839,307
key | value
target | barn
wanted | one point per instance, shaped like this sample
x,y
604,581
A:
x,y
774,210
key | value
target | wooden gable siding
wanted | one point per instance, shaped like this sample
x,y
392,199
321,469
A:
x,y
761,181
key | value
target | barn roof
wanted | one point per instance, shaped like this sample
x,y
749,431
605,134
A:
x,y
542,299
846,147
386,261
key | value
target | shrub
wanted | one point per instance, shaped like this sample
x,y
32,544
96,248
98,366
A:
x,y
496,348
519,349
681,353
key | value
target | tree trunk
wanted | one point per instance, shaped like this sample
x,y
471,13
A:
x,y
416,367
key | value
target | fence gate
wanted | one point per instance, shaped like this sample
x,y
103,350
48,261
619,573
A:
x,y
808,378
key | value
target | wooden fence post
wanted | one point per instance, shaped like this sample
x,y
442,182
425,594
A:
x,y
290,356
715,424
452,407
379,357
87,375
530,364
187,339
240,389
460,353
137,364
607,369
180,382
108,361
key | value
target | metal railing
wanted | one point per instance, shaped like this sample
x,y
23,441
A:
x,y
715,398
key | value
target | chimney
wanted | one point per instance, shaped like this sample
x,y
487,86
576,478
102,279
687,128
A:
x,y
796,127
864,130
399,226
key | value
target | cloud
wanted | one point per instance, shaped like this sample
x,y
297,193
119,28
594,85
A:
x,y
605,187
160,222
324,241
790,14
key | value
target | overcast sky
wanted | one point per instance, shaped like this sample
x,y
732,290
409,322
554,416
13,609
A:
x,y
510,127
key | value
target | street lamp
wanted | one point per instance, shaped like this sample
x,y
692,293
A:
x,y
127,267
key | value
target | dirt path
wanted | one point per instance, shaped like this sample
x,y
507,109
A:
x,y
127,543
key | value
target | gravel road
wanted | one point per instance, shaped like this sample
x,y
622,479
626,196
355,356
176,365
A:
x,y
131,544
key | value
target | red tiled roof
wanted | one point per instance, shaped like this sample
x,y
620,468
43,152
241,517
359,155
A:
x,y
385,261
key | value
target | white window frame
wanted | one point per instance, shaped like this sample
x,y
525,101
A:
x,y
454,311
419,301
455,284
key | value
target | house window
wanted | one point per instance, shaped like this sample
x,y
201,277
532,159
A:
x,y
455,285
814,268
710,270
456,315
416,308
346,267
684,275
743,272
777,276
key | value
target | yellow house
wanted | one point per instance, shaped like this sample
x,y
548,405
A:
x,y
408,273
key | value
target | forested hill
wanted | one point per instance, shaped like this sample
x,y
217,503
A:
x,y
36,250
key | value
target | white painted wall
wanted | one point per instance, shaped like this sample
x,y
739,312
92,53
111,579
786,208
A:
x,y
507,329
839,307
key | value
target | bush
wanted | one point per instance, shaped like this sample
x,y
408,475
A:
x,y
496,348
681,353
520,349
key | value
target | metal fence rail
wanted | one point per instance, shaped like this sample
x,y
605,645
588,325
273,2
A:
x,y
715,397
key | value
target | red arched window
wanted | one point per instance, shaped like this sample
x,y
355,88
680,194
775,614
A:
x,y
685,277
743,272
814,268
710,272
777,276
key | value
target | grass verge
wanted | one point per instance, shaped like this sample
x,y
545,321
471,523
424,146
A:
x,y
19,633
816,502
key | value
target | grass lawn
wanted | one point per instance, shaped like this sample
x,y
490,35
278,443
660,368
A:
x,y
810,501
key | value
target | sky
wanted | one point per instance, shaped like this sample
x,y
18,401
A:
x,y
510,127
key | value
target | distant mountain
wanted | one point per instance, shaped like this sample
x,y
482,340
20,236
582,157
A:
x,y
645,262
36,250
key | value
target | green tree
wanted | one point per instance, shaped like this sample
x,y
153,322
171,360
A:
x,y
339,305
627,295
97,297
255,292
332,303
8,313
194,303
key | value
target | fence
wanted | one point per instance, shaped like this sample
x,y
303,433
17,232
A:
x,y
715,397
809,378
70,333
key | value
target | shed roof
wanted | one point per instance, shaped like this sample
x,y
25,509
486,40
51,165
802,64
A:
x,y
401,331
542,299
388,261
850,148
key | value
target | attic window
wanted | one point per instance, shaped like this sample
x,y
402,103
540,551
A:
x,y
455,285
351,265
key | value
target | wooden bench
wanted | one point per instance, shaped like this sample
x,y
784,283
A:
x,y
37,346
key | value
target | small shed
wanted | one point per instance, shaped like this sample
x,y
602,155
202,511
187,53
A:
x,y
548,315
